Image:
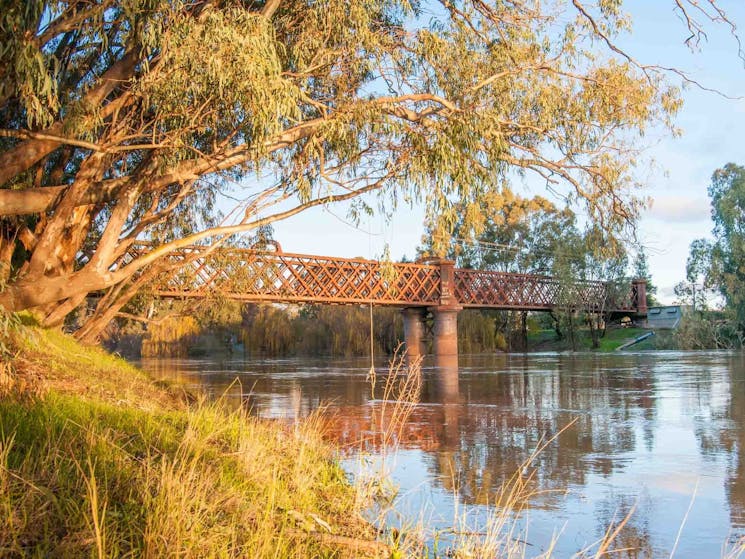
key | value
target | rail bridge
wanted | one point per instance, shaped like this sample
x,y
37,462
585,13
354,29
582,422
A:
x,y
431,286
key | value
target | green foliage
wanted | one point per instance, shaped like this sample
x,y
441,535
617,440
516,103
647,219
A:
x,y
170,336
719,264
28,73
613,338
707,330
478,332
727,268
588,256
504,232
509,233
229,60
153,111
268,330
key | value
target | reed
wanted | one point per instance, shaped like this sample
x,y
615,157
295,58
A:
x,y
101,462
97,460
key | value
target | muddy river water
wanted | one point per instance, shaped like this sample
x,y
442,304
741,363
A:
x,y
658,434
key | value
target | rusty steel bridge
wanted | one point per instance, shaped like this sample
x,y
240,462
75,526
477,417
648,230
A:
x,y
434,286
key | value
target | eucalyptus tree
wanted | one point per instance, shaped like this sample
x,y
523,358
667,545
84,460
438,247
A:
x,y
124,120
718,265
604,260
727,192
506,232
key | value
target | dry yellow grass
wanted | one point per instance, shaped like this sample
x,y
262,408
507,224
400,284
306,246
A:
x,y
96,460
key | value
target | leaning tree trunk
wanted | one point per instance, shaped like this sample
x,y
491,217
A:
x,y
7,247
95,325
113,302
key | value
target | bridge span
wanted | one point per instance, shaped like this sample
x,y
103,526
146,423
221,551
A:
x,y
435,286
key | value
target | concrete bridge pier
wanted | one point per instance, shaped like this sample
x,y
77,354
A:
x,y
414,331
446,315
446,330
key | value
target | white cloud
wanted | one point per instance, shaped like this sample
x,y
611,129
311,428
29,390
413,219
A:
x,y
679,209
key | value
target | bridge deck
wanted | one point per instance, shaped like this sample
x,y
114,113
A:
x,y
274,276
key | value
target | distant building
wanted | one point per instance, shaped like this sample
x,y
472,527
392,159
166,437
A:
x,y
665,318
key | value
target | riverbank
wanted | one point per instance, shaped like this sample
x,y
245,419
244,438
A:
x,y
546,340
96,459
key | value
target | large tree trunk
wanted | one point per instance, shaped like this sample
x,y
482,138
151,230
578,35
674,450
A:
x,y
33,292
66,230
39,200
113,302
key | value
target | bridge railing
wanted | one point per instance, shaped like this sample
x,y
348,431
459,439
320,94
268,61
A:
x,y
500,290
258,275
264,275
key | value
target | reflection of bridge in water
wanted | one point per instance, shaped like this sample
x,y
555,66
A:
x,y
433,286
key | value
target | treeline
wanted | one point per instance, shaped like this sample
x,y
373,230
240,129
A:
x,y
714,289
506,232
320,330
265,330
275,330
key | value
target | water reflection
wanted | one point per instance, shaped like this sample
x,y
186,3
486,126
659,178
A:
x,y
643,431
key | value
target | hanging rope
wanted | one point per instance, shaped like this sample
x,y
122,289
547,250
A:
x,y
371,373
372,343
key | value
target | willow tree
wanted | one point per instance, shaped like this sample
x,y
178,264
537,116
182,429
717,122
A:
x,y
124,120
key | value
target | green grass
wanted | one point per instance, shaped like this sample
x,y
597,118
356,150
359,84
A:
x,y
616,337
545,340
97,460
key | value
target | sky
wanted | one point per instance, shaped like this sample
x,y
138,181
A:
x,y
713,127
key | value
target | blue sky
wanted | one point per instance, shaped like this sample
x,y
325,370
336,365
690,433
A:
x,y
713,128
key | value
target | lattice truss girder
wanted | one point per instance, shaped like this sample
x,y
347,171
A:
x,y
257,275
253,275
478,288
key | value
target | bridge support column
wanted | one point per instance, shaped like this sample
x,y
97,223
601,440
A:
x,y
414,331
446,314
446,330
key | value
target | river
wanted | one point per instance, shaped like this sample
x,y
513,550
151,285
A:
x,y
659,434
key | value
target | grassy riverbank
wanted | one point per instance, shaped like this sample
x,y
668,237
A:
x,y
98,460
545,340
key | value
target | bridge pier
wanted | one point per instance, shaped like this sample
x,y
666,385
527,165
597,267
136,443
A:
x,y
414,330
445,318
446,330
446,314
